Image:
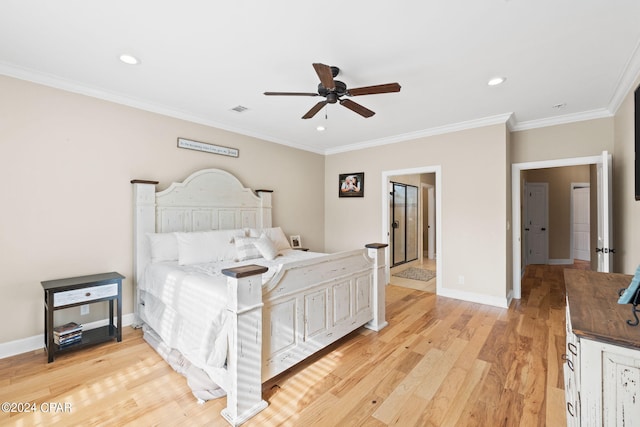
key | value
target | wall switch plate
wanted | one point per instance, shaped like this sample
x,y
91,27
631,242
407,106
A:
x,y
84,309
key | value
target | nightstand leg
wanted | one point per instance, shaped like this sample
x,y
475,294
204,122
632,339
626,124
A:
x,y
49,331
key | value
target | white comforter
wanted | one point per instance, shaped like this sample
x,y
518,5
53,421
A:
x,y
185,305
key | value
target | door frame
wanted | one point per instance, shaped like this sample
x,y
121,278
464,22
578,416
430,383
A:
x,y
516,184
430,219
386,223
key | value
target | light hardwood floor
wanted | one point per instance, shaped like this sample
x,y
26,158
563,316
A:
x,y
440,362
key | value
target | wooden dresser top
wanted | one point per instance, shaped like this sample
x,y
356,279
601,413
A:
x,y
594,309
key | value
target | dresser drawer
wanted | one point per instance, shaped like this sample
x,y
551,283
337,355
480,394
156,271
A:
x,y
85,294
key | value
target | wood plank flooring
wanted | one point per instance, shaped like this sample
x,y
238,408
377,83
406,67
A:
x,y
440,362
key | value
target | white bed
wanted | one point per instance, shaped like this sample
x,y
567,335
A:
x,y
240,322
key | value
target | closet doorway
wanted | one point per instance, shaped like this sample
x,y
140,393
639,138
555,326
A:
x,y
404,223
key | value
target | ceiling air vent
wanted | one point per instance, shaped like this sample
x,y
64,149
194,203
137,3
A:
x,y
240,109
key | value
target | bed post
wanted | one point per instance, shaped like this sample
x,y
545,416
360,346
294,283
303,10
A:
x,y
244,361
265,208
377,252
144,221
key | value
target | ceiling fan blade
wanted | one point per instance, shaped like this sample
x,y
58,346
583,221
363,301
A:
x,y
292,93
326,76
371,90
354,106
314,110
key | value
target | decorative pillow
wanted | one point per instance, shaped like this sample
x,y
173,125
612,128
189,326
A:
x,y
246,249
275,234
266,247
164,247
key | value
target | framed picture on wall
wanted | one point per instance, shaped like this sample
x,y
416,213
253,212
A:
x,y
351,184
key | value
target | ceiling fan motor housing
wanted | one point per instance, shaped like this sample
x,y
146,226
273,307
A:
x,y
332,95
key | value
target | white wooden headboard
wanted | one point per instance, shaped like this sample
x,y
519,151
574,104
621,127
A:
x,y
210,199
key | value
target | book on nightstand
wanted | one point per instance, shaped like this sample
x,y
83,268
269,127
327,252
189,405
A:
x,y
67,334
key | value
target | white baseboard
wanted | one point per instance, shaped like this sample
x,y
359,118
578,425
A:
x,y
24,345
502,302
560,262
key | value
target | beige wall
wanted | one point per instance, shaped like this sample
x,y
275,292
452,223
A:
x,y
66,163
559,180
626,209
578,139
474,202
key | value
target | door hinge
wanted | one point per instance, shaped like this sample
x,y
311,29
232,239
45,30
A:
x,y
606,250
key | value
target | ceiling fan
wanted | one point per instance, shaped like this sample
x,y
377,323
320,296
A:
x,y
333,90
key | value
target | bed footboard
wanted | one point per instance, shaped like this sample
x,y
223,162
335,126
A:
x,y
244,387
306,306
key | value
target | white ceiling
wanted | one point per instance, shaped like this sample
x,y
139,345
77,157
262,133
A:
x,y
201,58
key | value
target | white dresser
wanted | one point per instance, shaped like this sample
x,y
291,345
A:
x,y
602,369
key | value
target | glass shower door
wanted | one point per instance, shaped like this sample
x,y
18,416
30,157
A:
x,y
404,225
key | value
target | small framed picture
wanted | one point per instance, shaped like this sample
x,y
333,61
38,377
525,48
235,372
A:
x,y
351,185
295,241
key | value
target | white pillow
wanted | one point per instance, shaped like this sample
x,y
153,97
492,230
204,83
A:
x,y
266,247
206,246
275,234
164,247
246,249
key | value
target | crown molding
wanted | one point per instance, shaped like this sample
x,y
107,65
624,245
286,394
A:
x,y
627,80
560,120
456,127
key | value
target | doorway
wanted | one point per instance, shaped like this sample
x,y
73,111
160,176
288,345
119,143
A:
x,y
388,177
603,245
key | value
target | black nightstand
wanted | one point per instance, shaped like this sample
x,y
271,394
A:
x,y
74,291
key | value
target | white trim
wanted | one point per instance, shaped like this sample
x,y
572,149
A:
x,y
36,342
560,120
516,169
560,261
502,302
627,80
386,223
440,130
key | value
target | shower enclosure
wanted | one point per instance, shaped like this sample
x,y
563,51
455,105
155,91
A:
x,y
404,223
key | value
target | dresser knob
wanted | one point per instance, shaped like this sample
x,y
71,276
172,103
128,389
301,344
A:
x,y
88,294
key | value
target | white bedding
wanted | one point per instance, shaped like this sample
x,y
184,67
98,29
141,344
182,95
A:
x,y
185,304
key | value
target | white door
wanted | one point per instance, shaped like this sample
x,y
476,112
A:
x,y
536,223
581,221
605,244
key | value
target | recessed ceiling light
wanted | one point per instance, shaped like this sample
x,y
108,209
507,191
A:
x,y
496,81
320,128
129,59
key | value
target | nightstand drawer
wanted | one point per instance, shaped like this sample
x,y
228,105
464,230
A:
x,y
85,294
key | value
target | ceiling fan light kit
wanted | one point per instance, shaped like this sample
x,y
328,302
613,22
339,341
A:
x,y
333,91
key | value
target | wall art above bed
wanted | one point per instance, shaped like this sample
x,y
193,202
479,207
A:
x,y
207,148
